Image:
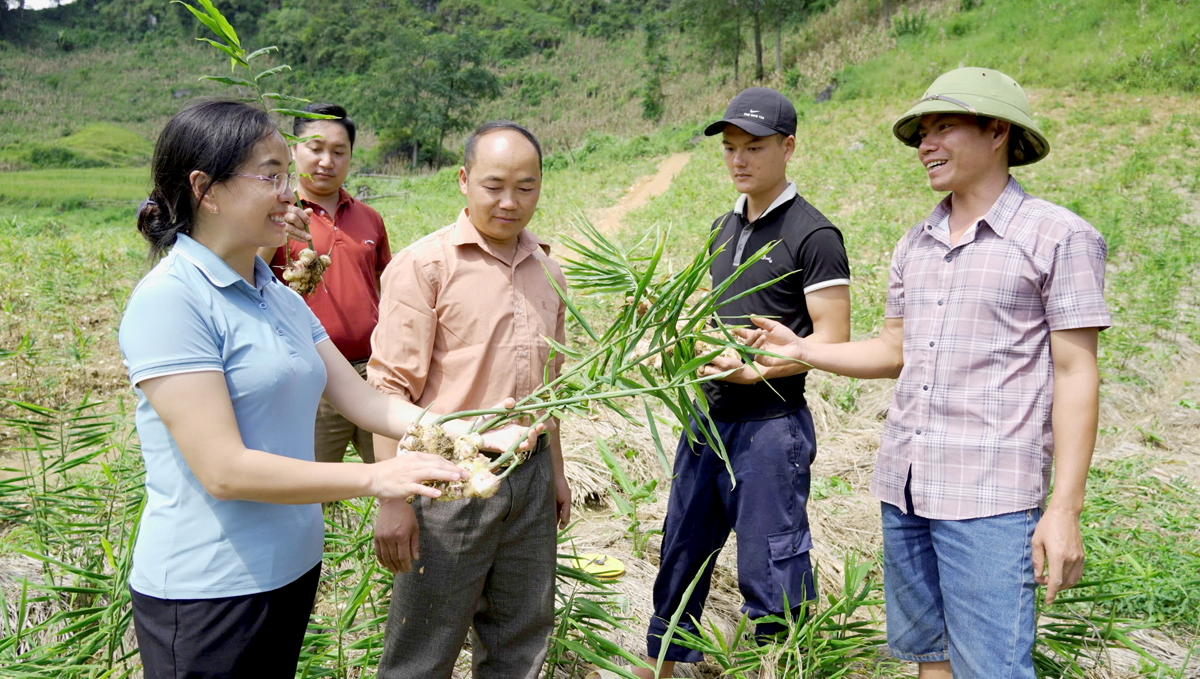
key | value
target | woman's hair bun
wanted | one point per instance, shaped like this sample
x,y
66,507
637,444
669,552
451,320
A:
x,y
151,219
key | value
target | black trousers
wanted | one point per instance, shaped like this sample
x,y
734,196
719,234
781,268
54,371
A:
x,y
251,636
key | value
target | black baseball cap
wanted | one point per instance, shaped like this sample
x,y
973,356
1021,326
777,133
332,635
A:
x,y
761,111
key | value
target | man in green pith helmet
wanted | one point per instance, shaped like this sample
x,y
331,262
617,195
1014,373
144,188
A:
x,y
994,307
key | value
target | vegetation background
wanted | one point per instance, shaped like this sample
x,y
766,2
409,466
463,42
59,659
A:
x,y
613,88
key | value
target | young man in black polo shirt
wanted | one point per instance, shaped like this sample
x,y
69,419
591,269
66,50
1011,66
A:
x,y
766,429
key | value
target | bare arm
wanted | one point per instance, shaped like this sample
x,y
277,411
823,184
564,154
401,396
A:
x,y
829,309
1058,541
875,358
197,411
358,402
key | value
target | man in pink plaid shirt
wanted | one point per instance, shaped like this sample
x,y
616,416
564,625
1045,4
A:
x,y
994,307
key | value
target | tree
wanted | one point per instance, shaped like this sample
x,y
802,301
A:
x,y
756,9
653,98
716,24
456,81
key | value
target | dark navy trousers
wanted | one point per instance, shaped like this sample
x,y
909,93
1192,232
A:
x,y
767,509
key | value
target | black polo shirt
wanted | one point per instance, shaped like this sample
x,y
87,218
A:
x,y
807,244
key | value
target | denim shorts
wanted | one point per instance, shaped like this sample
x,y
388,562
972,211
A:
x,y
961,591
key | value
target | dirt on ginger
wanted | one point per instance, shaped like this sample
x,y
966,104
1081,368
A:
x,y
303,273
465,451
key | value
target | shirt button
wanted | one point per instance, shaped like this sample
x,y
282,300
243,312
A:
x,y
279,331
918,432
262,305
939,302
925,388
949,257
931,344
522,354
929,227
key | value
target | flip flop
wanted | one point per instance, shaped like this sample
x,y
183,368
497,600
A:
x,y
602,566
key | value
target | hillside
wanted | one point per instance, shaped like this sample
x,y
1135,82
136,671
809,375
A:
x,y
1113,85
575,80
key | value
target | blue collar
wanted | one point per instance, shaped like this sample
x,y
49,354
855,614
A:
x,y
215,269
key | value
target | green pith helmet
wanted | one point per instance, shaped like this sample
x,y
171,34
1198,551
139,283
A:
x,y
981,92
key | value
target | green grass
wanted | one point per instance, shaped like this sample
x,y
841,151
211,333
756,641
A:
x,y
1149,46
95,145
1128,161
1144,532
67,189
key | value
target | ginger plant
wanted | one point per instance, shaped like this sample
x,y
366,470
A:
x,y
304,273
629,498
675,328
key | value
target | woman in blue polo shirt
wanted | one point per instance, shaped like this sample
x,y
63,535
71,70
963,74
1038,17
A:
x,y
228,366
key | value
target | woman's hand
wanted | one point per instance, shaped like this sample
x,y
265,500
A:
x,y
403,475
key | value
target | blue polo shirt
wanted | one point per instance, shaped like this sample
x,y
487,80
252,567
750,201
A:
x,y
193,313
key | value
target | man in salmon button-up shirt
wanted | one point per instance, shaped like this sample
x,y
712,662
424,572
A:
x,y
462,324
346,301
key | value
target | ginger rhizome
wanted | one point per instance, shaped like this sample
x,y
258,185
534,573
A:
x,y
303,273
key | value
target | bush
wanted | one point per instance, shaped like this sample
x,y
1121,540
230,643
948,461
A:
x,y
531,86
40,157
791,77
905,22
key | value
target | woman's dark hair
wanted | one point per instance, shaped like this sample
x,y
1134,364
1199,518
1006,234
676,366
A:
x,y
492,126
342,119
214,137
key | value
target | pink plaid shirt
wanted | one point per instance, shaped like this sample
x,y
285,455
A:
x,y
970,415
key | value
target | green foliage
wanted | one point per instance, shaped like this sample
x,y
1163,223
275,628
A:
x,y
628,496
653,98
76,516
1142,533
906,22
65,189
823,640
607,19
532,86
436,78
1078,44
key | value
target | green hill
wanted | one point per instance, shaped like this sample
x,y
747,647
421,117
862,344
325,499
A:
x,y
1113,84
569,70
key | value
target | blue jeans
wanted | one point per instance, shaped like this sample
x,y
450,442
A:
x,y
767,509
961,591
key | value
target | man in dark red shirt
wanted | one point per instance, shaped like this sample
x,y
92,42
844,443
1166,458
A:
x,y
347,299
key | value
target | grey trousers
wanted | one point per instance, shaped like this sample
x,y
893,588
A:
x,y
333,432
487,566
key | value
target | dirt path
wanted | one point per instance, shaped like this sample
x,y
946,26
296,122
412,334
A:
x,y
608,219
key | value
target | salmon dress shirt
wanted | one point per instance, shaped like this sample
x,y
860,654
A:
x,y
461,326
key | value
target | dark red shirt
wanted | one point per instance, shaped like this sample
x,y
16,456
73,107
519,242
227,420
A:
x,y
347,299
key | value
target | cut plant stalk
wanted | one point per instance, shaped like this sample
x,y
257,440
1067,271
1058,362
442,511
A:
x,y
304,273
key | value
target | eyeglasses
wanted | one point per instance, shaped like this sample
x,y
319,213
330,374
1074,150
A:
x,y
283,182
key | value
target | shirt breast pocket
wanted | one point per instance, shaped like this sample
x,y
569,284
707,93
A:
x,y
545,318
